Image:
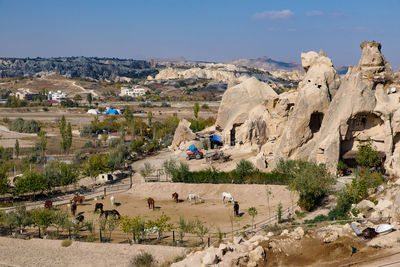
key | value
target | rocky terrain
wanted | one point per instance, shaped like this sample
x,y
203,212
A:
x,y
266,63
76,67
324,120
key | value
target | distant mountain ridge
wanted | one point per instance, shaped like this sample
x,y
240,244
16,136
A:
x,y
76,67
266,63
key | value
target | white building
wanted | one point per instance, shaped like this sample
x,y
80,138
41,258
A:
x,y
59,95
133,92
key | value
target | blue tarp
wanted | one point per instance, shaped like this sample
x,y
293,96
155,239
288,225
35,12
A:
x,y
193,148
112,111
216,138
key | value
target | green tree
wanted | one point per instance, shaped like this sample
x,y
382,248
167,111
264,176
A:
x,y
309,179
170,167
243,169
279,212
161,223
60,219
253,213
367,155
132,226
68,137
42,142
16,148
149,118
184,227
77,97
69,174
63,133
22,217
31,182
4,183
196,109
42,218
96,165
89,99
200,229
146,170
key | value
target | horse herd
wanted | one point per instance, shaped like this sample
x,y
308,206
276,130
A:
x,y
150,201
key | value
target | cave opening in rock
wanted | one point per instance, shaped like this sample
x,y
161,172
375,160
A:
x,y
316,122
233,136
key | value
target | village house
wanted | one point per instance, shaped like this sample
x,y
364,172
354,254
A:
x,y
59,95
133,92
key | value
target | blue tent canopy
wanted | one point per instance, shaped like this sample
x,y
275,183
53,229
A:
x,y
216,138
112,111
193,148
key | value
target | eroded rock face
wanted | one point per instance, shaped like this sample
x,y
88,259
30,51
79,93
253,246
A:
x,y
316,92
238,104
183,133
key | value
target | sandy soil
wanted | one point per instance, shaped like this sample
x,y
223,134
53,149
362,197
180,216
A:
x,y
213,212
38,252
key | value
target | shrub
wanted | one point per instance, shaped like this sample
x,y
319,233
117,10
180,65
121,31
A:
x,y
66,243
341,166
24,126
143,259
205,106
243,168
309,179
367,155
88,144
165,105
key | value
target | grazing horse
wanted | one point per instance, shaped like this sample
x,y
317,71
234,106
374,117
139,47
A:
x,y
175,196
48,204
73,209
228,197
194,197
114,213
112,199
150,202
98,206
77,199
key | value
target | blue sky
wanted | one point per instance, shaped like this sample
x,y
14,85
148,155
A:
x,y
212,30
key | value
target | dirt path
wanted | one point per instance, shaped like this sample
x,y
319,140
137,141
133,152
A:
x,y
38,252
85,90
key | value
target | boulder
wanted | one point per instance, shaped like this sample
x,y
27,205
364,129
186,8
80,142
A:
x,y
298,233
384,204
257,254
210,258
183,133
285,232
366,205
237,240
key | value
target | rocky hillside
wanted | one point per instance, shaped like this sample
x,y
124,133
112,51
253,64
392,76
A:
x,y
73,67
266,63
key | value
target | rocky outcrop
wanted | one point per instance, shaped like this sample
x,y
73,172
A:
x,y
183,134
316,91
72,67
242,111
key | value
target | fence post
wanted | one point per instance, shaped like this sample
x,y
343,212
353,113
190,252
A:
x,y
101,240
224,235
173,236
208,241
130,180
105,192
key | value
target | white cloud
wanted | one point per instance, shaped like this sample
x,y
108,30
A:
x,y
313,13
274,14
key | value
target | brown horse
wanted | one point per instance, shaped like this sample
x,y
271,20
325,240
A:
x,y
73,209
150,202
77,199
114,213
48,204
175,196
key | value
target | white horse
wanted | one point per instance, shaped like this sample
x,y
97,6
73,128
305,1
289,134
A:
x,y
148,231
227,196
112,199
194,197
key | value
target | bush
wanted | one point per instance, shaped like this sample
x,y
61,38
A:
x,y
165,105
66,243
24,126
341,166
309,179
367,155
243,169
205,106
143,259
88,144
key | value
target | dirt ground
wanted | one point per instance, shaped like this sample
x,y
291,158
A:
x,y
311,251
38,252
212,212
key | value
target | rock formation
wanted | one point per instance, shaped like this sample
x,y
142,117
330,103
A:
x,y
241,113
316,91
183,133
327,120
